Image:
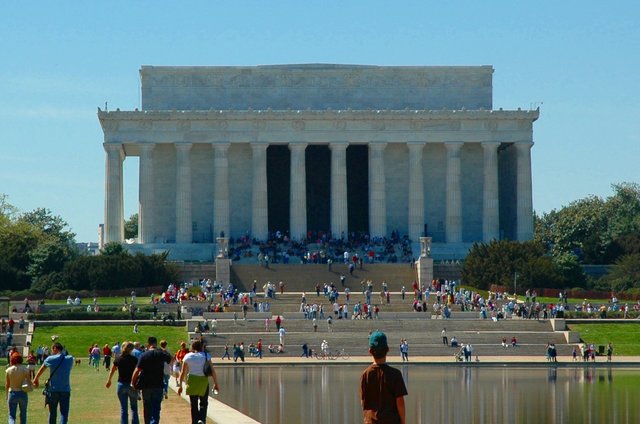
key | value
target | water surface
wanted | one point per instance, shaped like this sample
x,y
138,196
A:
x,y
329,394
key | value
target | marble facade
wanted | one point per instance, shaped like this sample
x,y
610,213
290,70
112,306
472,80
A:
x,y
439,156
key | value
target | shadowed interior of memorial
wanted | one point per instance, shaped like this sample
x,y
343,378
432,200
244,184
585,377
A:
x,y
318,170
358,188
278,181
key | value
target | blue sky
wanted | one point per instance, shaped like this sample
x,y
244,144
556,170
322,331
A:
x,y
61,60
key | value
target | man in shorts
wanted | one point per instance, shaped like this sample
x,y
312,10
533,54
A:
x,y
382,387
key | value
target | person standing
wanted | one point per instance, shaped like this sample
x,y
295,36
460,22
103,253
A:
x,y
197,382
17,375
609,351
281,333
125,364
151,367
382,388
60,366
445,340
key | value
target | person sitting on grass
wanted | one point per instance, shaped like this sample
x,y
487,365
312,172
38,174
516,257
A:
x,y
382,387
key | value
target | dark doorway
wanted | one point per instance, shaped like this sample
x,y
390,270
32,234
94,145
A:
x,y
278,187
358,187
318,169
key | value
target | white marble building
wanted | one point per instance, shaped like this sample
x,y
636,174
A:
x,y
332,148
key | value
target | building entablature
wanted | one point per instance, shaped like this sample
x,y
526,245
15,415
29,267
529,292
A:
x,y
317,126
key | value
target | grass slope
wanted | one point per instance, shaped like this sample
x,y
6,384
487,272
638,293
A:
x,y
77,339
624,337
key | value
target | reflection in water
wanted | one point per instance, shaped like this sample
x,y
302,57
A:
x,y
458,394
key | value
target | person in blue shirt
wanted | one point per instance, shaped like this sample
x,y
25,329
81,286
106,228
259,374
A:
x,y
60,366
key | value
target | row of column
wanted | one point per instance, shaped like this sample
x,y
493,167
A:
x,y
114,216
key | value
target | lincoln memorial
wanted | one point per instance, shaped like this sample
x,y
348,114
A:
x,y
320,149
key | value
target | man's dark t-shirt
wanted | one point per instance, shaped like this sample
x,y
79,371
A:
x,y
126,365
380,386
152,365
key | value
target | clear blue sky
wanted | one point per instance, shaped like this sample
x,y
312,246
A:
x,y
61,60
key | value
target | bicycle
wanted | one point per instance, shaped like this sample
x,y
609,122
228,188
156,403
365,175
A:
x,y
341,353
322,355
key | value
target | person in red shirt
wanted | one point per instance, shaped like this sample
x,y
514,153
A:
x,y
106,353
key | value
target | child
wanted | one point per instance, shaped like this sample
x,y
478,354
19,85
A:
x,y
382,387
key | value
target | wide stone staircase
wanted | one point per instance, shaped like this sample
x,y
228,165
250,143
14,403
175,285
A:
x,y
397,319
424,335
304,277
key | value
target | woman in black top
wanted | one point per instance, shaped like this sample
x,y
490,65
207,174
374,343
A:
x,y
125,365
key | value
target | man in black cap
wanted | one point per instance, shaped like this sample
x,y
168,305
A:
x,y
382,387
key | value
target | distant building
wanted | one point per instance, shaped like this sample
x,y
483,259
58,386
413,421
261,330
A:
x,y
320,149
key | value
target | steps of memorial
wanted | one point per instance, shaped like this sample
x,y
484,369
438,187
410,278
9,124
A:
x,y
300,278
364,325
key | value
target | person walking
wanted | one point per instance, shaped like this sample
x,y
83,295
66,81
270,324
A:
x,y
382,388
125,364
95,357
60,366
193,370
17,375
151,368
106,354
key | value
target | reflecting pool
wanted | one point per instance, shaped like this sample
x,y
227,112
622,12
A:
x,y
329,394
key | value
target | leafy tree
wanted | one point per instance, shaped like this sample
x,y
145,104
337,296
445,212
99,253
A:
x,y
499,261
114,249
131,227
626,273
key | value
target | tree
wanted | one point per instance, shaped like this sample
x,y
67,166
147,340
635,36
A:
x,y
625,274
113,249
499,261
131,227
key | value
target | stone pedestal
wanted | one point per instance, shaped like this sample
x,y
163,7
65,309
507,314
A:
x,y
223,270
425,271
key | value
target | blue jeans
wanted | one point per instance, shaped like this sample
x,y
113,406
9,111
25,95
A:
x,y
62,399
17,399
152,399
127,396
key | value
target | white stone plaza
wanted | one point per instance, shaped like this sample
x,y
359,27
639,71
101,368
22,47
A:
x,y
320,149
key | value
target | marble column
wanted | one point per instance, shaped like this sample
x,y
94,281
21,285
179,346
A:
x,y
259,205
221,208
146,195
490,202
113,202
416,190
298,192
454,199
184,220
339,211
377,191
524,206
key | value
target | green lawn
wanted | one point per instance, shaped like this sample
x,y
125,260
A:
x,y
119,300
91,402
624,337
77,339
